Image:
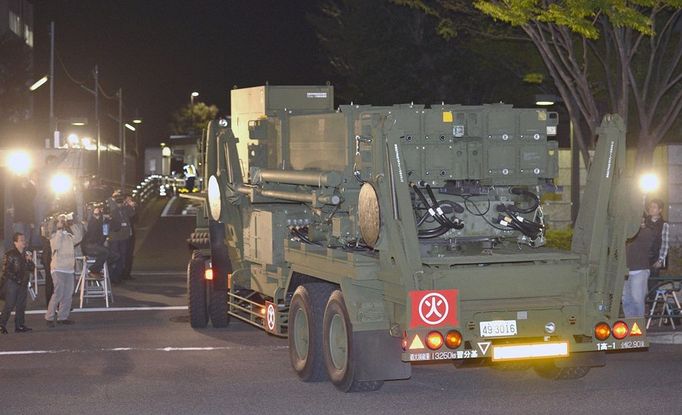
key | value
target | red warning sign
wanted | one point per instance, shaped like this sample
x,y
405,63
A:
x,y
434,308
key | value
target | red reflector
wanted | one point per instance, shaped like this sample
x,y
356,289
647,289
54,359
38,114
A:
x,y
208,274
620,330
602,331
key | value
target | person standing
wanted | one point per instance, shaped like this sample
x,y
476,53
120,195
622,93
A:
x,y
645,252
120,234
16,267
63,242
94,242
130,205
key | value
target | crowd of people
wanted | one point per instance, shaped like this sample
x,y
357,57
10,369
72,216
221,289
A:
x,y
105,233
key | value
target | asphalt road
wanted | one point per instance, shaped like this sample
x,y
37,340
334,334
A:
x,y
151,362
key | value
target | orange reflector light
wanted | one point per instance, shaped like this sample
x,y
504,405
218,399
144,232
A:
x,y
602,331
635,331
262,310
208,274
620,330
434,340
453,339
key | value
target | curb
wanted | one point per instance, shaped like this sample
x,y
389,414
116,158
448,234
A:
x,y
665,338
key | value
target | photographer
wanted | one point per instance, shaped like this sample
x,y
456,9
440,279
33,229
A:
x,y
63,241
99,227
119,239
16,267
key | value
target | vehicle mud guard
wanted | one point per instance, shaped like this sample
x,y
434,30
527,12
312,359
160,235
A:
x,y
221,265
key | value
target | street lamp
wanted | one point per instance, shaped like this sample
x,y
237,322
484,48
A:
x,y
192,96
37,84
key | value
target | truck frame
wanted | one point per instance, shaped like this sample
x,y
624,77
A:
x,y
374,237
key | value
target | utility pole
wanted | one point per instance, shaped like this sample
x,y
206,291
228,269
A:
x,y
121,139
52,123
97,119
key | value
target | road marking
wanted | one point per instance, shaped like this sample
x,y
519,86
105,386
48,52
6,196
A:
x,y
103,309
140,349
166,209
151,273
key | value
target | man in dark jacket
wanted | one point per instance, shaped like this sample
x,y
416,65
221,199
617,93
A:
x,y
95,238
16,269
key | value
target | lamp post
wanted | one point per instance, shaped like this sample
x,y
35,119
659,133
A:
x,y
550,100
193,95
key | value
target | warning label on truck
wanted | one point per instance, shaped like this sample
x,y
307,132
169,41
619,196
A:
x,y
434,308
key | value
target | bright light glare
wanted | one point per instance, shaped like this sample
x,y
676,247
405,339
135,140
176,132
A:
x,y
87,141
530,351
130,127
137,121
195,94
72,139
544,103
649,182
38,83
19,162
61,183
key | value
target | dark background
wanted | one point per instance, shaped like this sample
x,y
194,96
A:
x,y
159,51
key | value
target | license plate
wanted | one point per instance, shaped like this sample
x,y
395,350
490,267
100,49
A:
x,y
498,328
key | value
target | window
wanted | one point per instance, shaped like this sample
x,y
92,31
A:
x,y
15,23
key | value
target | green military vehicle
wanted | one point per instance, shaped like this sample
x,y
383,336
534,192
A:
x,y
373,237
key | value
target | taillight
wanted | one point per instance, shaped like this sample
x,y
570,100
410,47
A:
x,y
208,274
602,331
620,330
453,339
434,340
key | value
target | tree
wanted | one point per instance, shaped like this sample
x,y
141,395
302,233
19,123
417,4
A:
x,y
192,119
603,56
377,53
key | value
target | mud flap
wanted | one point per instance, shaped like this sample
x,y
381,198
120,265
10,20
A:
x,y
378,356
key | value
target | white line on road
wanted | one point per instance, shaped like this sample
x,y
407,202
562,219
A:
x,y
168,206
152,273
140,349
103,309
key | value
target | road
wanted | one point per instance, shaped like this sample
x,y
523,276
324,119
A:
x,y
147,360
151,362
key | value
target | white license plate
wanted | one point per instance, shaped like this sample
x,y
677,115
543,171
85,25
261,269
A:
x,y
498,328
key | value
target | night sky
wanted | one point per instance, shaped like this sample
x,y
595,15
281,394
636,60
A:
x,y
159,51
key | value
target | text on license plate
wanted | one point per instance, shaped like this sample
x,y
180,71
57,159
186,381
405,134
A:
x,y
498,328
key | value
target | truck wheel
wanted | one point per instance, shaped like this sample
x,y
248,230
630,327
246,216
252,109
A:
x,y
217,308
337,347
549,370
196,289
305,330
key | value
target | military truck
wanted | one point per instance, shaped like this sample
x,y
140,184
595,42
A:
x,y
377,236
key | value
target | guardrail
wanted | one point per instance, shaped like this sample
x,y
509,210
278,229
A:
x,y
156,186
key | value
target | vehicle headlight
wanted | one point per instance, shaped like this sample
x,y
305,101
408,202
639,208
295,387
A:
x,y
19,162
61,183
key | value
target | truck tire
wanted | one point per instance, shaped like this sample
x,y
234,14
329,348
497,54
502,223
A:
x,y
337,348
217,308
549,370
196,289
305,330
